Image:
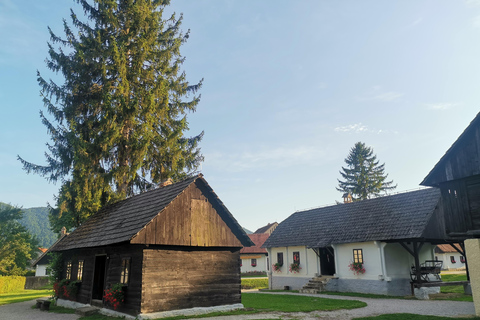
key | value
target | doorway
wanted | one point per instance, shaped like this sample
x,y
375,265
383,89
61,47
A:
x,y
327,261
99,277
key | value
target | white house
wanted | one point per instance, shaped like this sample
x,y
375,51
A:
x,y
382,235
451,258
255,258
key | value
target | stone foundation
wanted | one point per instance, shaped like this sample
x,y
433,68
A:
x,y
395,287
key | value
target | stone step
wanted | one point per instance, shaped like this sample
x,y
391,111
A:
x,y
86,311
97,303
304,290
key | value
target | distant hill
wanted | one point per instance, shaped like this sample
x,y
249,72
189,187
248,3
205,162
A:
x,y
36,221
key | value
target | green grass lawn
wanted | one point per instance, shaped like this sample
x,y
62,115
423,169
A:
x,y
23,295
453,277
409,316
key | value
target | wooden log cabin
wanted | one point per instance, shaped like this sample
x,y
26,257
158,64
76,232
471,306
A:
x,y
176,247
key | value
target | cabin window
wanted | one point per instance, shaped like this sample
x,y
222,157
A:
x,y
280,258
125,271
452,259
296,257
69,270
80,270
462,259
358,255
254,262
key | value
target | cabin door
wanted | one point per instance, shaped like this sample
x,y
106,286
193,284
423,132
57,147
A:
x,y
327,261
99,277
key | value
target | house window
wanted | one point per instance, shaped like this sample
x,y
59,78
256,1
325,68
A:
x,y
452,259
69,270
125,271
280,258
254,262
80,270
296,257
462,259
357,255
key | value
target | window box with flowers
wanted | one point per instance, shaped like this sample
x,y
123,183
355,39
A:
x,y
357,268
295,267
115,295
66,289
277,267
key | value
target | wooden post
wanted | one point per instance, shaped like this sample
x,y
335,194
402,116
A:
x,y
418,272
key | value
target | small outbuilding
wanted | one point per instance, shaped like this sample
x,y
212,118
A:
x,y
255,258
175,247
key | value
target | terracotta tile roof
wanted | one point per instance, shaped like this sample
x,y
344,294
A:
x,y
258,239
265,228
444,248
121,221
402,216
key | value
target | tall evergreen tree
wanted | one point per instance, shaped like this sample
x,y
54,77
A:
x,y
119,118
363,177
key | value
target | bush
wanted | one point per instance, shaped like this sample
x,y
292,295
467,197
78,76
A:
x,y
11,283
254,283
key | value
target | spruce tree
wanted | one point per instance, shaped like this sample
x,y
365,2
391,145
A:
x,y
118,120
363,177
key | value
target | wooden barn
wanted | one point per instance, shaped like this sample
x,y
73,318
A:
x,y
175,247
457,175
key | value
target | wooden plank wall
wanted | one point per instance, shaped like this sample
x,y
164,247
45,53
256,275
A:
x,y
115,254
190,220
174,279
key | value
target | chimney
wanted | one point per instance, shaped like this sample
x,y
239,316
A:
x,y
347,198
166,182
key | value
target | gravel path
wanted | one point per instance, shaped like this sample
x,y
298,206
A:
x,y
23,310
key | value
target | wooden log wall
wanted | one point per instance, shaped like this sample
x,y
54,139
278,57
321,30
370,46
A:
x,y
190,220
174,279
114,254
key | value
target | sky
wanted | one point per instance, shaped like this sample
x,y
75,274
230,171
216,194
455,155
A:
x,y
289,88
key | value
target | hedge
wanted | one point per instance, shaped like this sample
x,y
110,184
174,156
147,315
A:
x,y
11,283
254,283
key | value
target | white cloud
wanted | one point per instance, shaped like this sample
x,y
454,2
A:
x,y
357,127
441,106
377,94
360,128
476,22
266,159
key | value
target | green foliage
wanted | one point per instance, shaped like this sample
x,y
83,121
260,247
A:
x,y
66,289
23,295
363,177
254,283
11,283
118,120
17,245
55,266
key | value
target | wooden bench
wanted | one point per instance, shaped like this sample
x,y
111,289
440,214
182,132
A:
x,y
43,304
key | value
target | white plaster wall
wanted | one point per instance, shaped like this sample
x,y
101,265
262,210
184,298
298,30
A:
x,y
398,261
247,264
41,270
447,264
308,261
371,258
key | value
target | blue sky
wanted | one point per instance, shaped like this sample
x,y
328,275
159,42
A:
x,y
290,87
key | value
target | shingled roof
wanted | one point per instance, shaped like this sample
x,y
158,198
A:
x,y
121,221
407,215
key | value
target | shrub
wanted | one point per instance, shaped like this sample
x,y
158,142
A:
x,y
114,296
66,289
254,283
11,283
